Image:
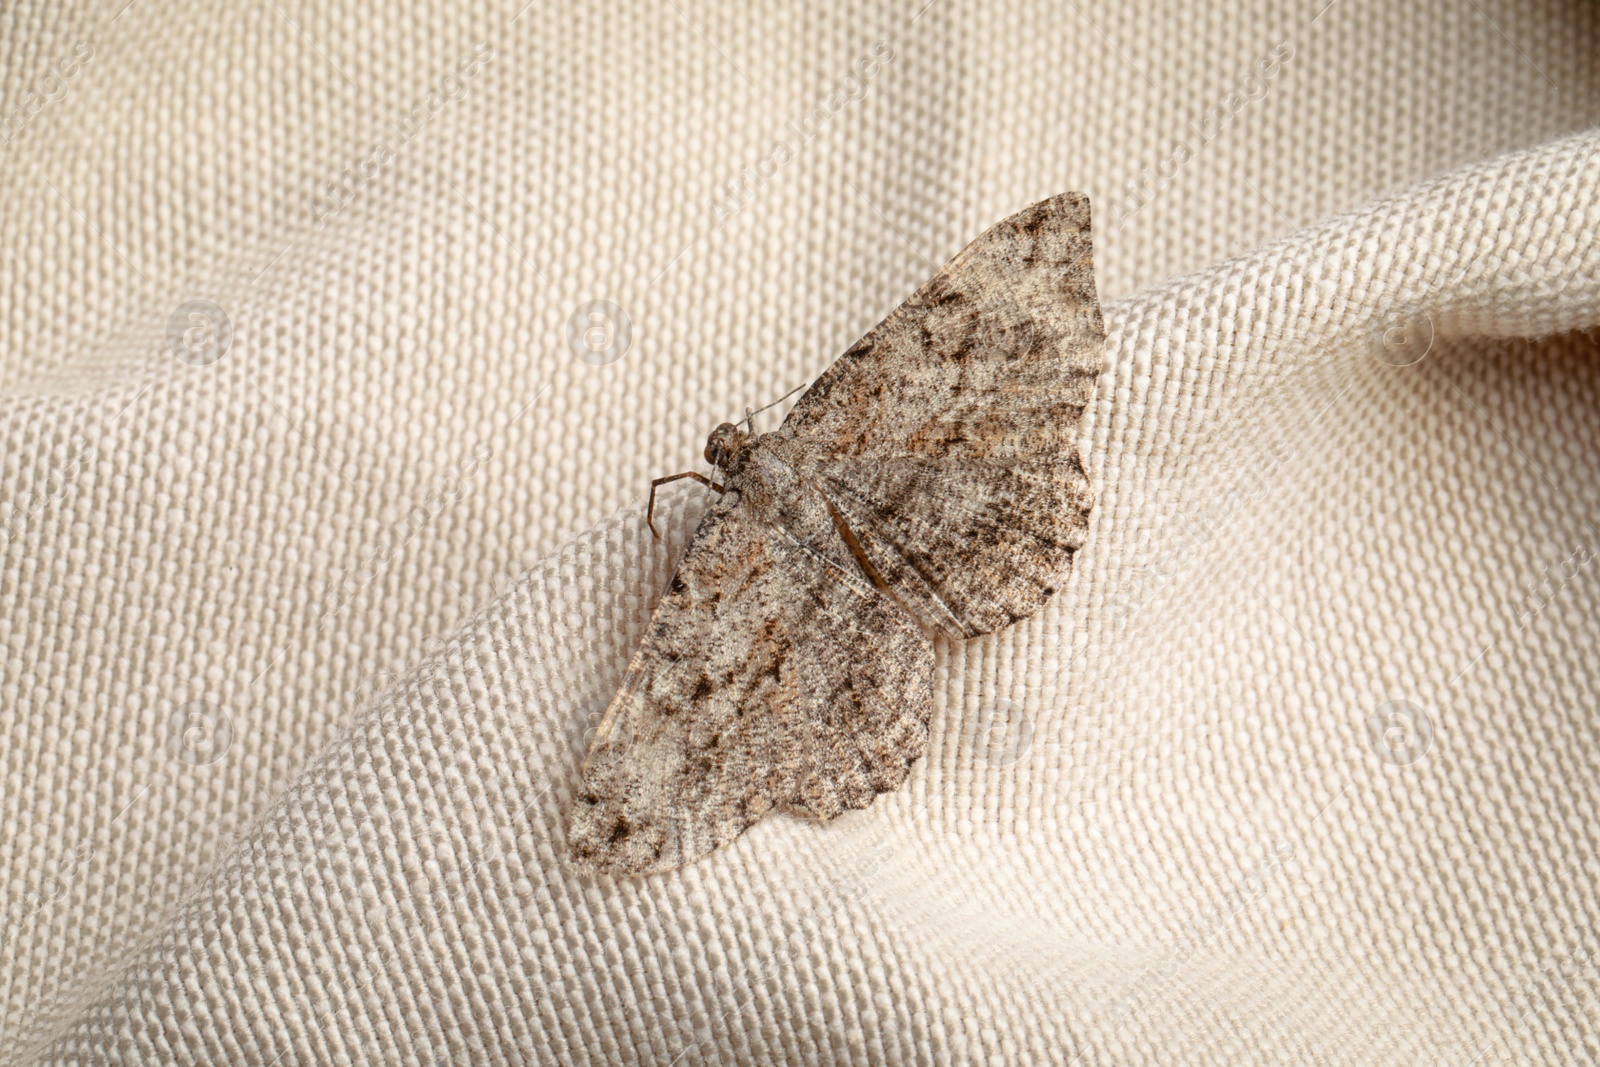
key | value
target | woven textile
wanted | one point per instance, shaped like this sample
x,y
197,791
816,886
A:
x,y
340,344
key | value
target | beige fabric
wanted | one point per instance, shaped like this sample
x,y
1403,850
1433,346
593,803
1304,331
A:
x,y
285,749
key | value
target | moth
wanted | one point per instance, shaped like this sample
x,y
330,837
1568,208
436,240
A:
x,y
928,483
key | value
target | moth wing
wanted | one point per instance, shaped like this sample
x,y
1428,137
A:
x,y
770,679
947,436
968,546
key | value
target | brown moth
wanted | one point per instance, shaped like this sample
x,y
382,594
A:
x,y
927,483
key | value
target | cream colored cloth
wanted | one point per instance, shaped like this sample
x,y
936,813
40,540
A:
x,y
321,546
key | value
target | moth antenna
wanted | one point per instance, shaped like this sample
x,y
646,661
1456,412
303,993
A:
x,y
748,414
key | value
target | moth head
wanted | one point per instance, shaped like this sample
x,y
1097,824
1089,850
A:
x,y
725,446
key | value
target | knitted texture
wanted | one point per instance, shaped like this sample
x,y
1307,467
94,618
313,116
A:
x,y
340,343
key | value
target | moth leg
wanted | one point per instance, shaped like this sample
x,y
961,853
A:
x,y
649,513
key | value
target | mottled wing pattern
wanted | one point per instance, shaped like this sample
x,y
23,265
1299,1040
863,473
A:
x,y
947,436
930,476
770,679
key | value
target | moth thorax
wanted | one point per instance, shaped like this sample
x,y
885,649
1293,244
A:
x,y
725,447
